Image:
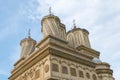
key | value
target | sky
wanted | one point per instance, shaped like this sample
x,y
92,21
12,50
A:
x,y
100,17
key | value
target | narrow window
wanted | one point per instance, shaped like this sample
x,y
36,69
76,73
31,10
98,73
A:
x,y
73,71
88,75
55,67
81,74
64,70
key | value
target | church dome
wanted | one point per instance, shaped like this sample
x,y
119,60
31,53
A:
x,y
77,29
78,36
49,17
51,25
27,39
96,60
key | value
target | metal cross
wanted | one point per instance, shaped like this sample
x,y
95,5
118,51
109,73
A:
x,y
50,11
74,25
29,33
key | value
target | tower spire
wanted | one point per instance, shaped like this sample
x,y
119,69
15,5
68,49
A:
x,y
74,24
29,33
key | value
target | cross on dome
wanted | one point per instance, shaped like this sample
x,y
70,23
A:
x,y
74,24
29,33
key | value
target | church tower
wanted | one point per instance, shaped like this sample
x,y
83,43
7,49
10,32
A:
x,y
51,25
78,36
60,55
27,46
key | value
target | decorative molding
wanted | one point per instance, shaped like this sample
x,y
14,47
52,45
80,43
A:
x,y
72,57
107,71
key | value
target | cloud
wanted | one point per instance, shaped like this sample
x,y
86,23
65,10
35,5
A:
x,y
75,9
117,73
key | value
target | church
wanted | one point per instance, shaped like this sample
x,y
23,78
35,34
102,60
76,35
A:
x,y
60,55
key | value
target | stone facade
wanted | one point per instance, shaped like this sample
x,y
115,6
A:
x,y
60,55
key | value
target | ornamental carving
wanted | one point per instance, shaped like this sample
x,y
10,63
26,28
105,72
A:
x,y
46,68
24,77
31,74
94,77
37,74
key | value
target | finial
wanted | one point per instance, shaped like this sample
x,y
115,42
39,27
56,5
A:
x,y
74,25
29,33
50,11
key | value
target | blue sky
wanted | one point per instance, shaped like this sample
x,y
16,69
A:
x,y
100,17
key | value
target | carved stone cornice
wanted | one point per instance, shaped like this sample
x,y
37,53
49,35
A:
x,y
71,57
104,71
71,51
50,38
92,52
104,64
21,59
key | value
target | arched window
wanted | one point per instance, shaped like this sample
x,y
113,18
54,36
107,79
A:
x,y
70,40
88,75
55,67
73,71
94,77
81,74
64,70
